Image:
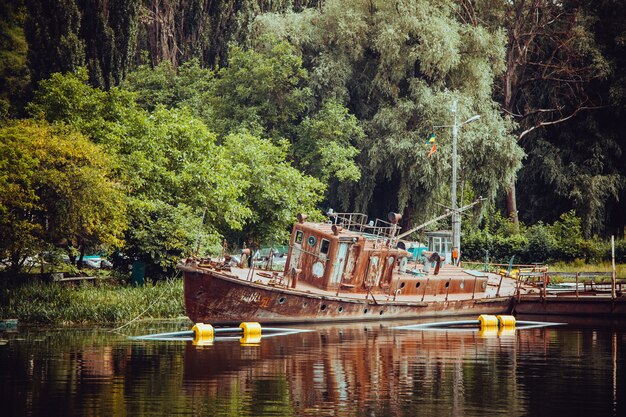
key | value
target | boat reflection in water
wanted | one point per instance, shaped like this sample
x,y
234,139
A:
x,y
340,370
375,370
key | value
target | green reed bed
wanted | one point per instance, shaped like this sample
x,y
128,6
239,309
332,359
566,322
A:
x,y
104,303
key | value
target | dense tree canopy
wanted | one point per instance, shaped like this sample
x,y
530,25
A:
x,y
56,189
225,118
185,191
399,68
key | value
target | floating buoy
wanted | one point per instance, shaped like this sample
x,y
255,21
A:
x,y
251,333
487,320
203,334
506,321
486,324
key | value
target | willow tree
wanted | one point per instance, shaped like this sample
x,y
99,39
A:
x,y
399,66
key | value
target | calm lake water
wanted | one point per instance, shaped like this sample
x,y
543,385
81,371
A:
x,y
333,370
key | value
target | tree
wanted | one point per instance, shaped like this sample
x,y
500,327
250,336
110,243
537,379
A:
x,y
53,33
14,75
273,191
324,146
398,67
56,188
260,89
185,189
551,57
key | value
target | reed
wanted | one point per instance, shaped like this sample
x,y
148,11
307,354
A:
x,y
104,303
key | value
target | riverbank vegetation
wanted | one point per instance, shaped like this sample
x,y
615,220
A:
x,y
155,130
105,302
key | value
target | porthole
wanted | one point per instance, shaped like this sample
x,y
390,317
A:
x,y
323,307
281,300
311,240
317,269
305,304
402,285
417,284
340,309
365,311
447,284
381,312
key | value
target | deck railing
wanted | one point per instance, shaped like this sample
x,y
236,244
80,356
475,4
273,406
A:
x,y
358,222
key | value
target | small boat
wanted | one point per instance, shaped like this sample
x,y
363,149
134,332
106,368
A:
x,y
346,269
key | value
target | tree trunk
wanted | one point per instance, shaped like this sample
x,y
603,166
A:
x,y
511,205
79,264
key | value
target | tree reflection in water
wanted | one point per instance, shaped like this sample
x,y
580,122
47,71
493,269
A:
x,y
346,369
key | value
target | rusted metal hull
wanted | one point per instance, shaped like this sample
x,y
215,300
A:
x,y
570,305
216,297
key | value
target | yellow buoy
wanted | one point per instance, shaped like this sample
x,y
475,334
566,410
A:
x,y
203,334
251,334
506,321
487,320
251,328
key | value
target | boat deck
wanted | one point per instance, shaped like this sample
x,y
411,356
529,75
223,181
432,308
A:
x,y
508,286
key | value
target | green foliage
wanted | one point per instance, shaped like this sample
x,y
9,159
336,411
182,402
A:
x,y
51,303
64,35
14,75
324,146
399,67
53,33
153,86
106,117
260,89
560,242
55,187
567,232
272,189
176,174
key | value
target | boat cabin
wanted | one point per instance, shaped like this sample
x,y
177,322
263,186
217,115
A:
x,y
347,253
440,241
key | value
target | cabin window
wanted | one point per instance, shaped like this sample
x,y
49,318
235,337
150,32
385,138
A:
x,y
324,247
311,240
299,237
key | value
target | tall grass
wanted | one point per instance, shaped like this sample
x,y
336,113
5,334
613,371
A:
x,y
53,303
581,266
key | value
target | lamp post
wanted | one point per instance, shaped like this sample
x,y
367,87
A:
x,y
456,216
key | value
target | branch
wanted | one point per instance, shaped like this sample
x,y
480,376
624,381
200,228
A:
x,y
561,120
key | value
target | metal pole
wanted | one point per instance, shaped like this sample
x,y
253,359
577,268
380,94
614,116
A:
x,y
456,218
613,273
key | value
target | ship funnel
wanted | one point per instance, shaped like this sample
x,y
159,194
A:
x,y
301,217
394,218
336,229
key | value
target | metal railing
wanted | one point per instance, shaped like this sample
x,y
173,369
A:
x,y
358,222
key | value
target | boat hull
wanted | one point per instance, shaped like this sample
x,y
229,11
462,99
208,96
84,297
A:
x,y
216,297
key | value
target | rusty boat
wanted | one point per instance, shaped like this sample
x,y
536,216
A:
x,y
346,269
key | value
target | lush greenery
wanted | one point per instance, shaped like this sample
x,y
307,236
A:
x,y
53,303
540,243
153,130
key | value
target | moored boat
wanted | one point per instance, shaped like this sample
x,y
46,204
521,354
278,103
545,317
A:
x,y
346,269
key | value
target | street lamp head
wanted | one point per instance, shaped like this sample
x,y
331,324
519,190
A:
x,y
471,119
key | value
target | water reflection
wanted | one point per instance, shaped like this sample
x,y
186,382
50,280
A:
x,y
346,370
